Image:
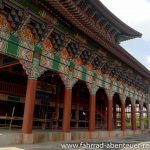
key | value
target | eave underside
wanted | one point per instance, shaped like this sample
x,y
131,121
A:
x,y
69,12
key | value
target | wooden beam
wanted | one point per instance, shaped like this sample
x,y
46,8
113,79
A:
x,y
9,65
1,60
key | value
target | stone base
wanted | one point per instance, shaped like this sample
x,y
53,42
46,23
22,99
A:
x,y
27,138
10,138
37,137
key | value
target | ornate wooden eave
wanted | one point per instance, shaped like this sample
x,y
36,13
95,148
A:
x,y
121,26
74,16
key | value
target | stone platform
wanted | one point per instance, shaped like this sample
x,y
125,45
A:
x,y
16,137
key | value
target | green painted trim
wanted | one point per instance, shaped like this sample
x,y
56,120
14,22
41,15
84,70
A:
x,y
56,62
103,80
118,87
95,74
84,73
72,65
13,46
28,3
37,49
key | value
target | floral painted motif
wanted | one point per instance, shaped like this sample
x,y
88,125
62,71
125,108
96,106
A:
x,y
3,23
89,78
26,35
27,39
68,82
98,71
43,61
46,62
64,69
64,54
65,61
25,54
2,45
89,67
47,45
77,74
27,45
4,26
33,70
78,61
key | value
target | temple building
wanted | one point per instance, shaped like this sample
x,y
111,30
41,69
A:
x,y
64,75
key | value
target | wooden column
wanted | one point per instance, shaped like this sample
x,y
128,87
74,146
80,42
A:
x,y
123,119
29,106
67,110
109,115
92,109
105,114
133,117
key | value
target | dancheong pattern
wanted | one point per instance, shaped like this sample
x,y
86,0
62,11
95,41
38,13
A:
x,y
22,44
16,44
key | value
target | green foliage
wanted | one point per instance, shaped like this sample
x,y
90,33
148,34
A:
x,y
145,121
128,122
138,124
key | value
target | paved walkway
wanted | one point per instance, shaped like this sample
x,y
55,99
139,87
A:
x,y
137,142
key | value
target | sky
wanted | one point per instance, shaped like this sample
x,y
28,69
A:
x,y
136,14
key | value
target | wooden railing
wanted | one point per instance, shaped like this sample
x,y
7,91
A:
x,y
12,88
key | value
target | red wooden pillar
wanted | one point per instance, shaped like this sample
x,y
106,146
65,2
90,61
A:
x,y
105,114
109,115
67,110
123,119
133,116
29,106
92,109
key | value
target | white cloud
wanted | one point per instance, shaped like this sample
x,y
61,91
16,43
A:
x,y
135,13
